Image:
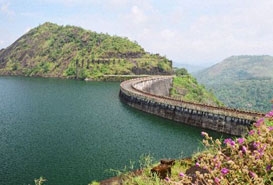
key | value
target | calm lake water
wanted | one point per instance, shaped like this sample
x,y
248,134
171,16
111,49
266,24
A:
x,y
73,132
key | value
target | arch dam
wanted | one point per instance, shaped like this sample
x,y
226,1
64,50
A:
x,y
151,94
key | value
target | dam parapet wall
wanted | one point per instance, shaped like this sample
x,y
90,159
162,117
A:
x,y
156,86
144,94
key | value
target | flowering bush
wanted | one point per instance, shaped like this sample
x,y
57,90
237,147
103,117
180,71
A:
x,y
245,160
240,161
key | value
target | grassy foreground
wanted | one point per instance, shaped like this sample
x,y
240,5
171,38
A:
x,y
245,160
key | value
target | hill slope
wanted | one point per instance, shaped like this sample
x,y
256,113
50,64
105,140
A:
x,y
185,87
50,50
241,81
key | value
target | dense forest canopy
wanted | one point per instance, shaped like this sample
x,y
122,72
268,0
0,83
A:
x,y
50,50
243,82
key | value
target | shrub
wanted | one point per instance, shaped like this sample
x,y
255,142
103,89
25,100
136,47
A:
x,y
245,160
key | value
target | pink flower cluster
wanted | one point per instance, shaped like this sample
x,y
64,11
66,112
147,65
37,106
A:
x,y
242,160
269,114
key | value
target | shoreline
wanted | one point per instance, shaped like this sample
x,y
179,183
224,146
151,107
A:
x,y
106,78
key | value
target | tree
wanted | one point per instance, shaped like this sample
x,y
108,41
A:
x,y
181,72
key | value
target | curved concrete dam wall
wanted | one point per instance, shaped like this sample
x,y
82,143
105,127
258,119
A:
x,y
155,86
151,94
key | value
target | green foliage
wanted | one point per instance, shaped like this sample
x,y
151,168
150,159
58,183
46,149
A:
x,y
242,82
146,162
244,160
94,183
238,68
164,65
70,71
46,66
40,181
246,94
181,72
187,88
72,52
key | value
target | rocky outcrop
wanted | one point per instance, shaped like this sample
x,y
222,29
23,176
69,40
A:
x,y
163,170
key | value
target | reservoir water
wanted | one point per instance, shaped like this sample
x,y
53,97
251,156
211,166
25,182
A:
x,y
72,132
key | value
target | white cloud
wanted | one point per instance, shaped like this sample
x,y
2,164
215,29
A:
x,y
118,2
66,1
167,35
210,38
186,31
5,9
137,16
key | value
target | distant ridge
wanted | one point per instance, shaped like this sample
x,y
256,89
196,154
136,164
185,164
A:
x,y
50,50
244,81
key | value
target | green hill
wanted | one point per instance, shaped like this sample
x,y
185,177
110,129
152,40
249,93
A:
x,y
50,50
241,81
185,87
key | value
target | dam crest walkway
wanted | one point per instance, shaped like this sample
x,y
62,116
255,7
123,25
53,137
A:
x,y
151,94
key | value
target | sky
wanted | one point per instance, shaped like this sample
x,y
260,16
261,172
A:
x,y
195,32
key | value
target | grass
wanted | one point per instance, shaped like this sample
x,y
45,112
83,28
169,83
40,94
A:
x,y
245,160
187,88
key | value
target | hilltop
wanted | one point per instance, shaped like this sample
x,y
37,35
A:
x,y
243,67
50,50
241,81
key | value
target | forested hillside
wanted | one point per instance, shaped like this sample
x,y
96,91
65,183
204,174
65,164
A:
x,y
185,87
50,50
241,81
